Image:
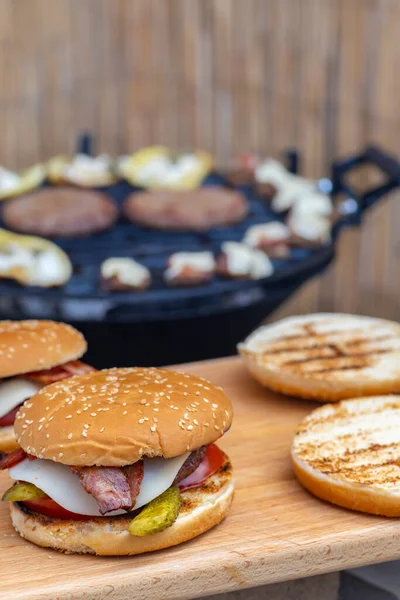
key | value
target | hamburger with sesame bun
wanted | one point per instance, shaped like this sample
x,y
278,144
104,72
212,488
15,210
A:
x,y
33,354
120,462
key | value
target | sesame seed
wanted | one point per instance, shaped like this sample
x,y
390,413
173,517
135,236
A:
x,y
186,416
189,427
86,426
195,421
78,412
214,405
125,412
83,455
156,409
70,436
68,417
155,419
216,427
141,421
60,455
206,424
84,433
93,414
47,435
102,429
205,400
153,428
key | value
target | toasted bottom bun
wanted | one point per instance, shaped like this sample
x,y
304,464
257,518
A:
x,y
328,390
8,443
202,508
363,498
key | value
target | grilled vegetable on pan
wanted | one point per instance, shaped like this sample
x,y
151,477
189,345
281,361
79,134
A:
x,y
13,184
82,170
32,260
158,167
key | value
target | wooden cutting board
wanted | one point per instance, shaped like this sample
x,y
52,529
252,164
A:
x,y
275,531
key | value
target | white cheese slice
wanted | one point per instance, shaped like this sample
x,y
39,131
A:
x,y
243,261
203,262
273,172
15,391
64,487
262,233
128,271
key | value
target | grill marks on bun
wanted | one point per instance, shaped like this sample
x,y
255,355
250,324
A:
x,y
116,416
326,356
349,454
32,345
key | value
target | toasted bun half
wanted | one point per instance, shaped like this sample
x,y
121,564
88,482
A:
x,y
112,418
326,357
37,345
349,454
202,508
8,443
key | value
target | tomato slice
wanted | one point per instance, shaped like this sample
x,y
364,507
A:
x,y
212,461
73,367
47,506
9,418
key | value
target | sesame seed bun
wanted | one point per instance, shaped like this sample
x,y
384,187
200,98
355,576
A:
x,y
8,442
116,416
349,454
202,507
326,357
37,345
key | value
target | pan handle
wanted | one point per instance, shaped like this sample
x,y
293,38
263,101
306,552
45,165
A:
x,y
358,202
85,143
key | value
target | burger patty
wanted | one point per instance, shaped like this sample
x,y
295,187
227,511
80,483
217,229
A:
x,y
63,211
117,488
195,210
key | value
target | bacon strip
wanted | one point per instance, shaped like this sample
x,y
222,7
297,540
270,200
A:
x,y
10,460
134,476
73,367
108,485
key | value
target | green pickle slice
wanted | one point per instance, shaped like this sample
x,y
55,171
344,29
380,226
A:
x,y
157,515
23,491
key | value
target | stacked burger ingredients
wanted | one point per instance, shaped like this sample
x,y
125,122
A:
x,y
120,461
33,354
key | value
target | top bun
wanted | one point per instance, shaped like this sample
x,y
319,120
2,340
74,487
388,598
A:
x,y
27,346
116,416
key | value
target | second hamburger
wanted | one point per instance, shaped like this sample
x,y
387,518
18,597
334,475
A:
x,y
120,461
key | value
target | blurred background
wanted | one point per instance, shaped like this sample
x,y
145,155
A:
x,y
229,76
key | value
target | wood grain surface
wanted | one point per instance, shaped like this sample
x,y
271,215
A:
x,y
275,531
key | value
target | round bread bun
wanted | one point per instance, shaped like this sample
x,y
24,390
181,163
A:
x,y
326,357
8,443
112,418
349,454
202,508
63,211
27,346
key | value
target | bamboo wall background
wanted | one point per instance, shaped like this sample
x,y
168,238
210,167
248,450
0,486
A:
x,y
230,76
